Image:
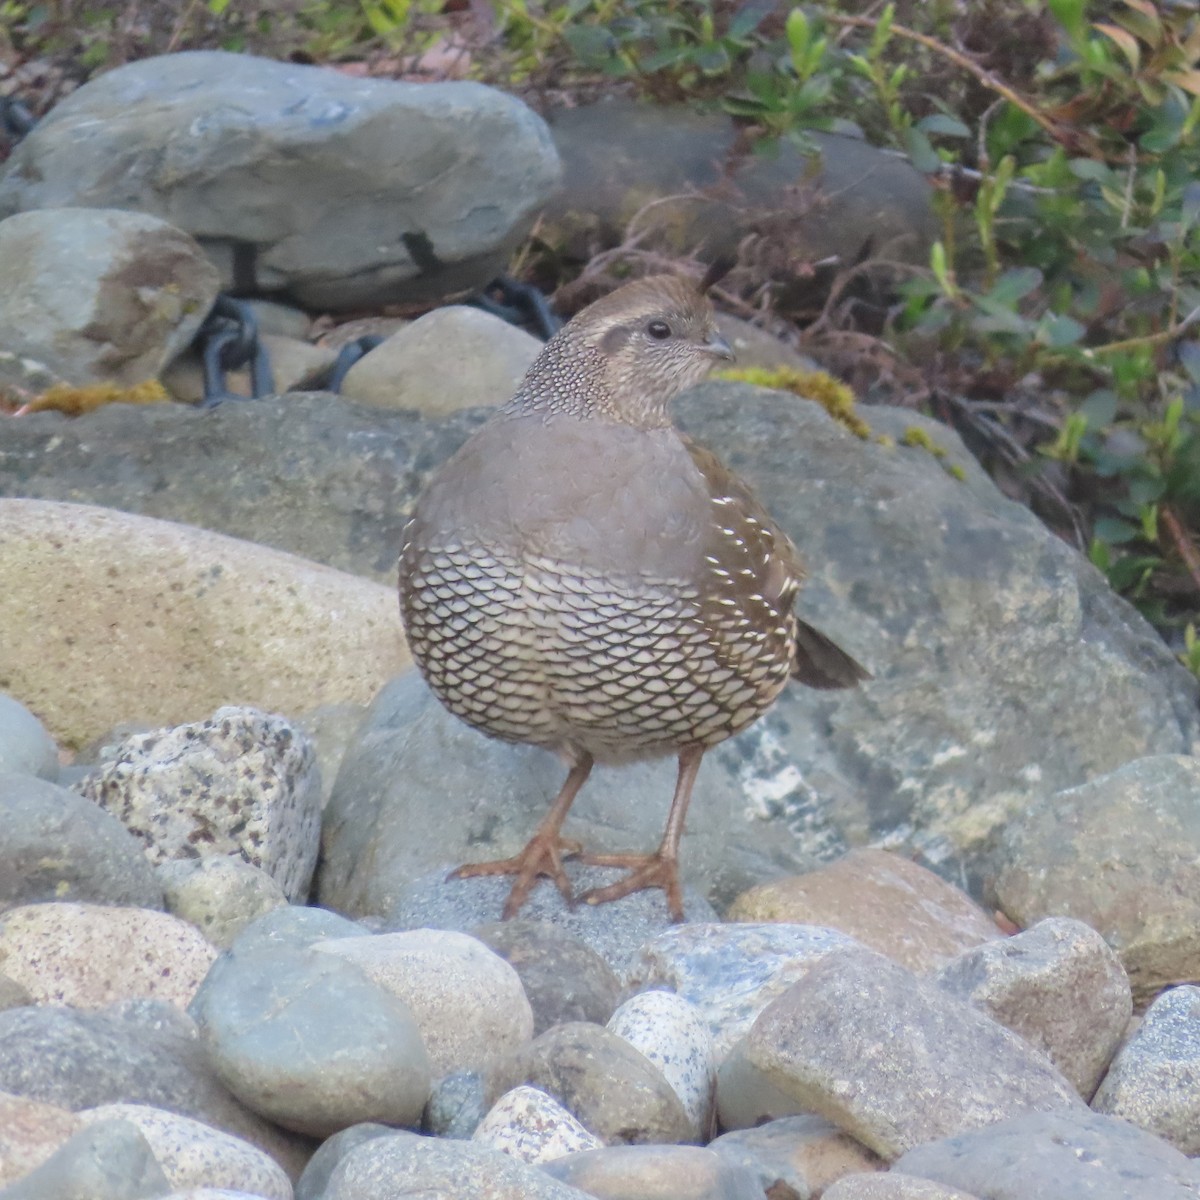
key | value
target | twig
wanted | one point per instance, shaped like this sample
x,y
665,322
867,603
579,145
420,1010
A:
x,y
1149,339
1182,541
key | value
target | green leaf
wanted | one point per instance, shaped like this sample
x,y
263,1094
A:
x,y
1092,170
1100,408
944,124
592,45
1115,531
217,7
749,17
1057,330
1070,14
921,152
1015,284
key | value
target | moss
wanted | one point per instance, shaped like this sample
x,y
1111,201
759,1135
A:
x,y
914,435
831,394
75,401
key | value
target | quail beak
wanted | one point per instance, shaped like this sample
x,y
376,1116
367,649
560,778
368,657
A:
x,y
718,347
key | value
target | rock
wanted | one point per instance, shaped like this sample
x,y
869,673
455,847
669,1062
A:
x,y
1059,986
25,746
13,994
731,972
938,584
755,347
892,1059
219,895
1075,1155
805,1154
295,926
1122,854
670,1032
192,1154
746,1096
451,358
30,1132
110,1159
533,1127
433,901
457,1104
309,1041
334,191
89,955
331,728
610,1087
1154,1082
280,320
113,613
312,1184
468,1003
564,979
892,1186
140,1052
648,1172
55,845
847,201
883,900
99,295
292,362
407,1165
242,782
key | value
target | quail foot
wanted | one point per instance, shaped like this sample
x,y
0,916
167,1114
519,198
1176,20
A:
x,y
582,577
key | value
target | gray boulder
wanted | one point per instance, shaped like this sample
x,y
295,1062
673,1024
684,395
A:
x,y
332,191
99,295
25,746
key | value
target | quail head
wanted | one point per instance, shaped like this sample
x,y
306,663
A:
x,y
583,577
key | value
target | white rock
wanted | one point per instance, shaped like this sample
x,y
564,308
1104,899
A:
x,y
533,1127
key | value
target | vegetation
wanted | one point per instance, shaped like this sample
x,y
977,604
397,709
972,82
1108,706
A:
x,y
1055,323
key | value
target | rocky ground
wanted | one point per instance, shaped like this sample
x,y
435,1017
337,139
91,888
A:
x,y
942,930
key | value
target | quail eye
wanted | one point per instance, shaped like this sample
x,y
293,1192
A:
x,y
659,330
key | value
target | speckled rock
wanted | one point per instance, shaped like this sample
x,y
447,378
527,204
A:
x,y
125,608
312,1183
731,972
1120,854
670,1032
892,1186
1059,986
1076,1155
219,895
1154,1082
610,1087
468,1002
55,845
140,1052
457,1104
309,1041
532,1126
98,295
453,357
894,1060
243,782
384,1168
89,955
883,900
564,979
803,1153
647,1172
30,1132
25,746
192,1154
110,1159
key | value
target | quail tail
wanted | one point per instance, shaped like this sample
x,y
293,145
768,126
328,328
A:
x,y
660,869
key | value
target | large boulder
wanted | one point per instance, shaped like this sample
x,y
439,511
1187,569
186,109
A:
x,y
335,191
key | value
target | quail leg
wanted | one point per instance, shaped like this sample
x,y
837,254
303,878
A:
x,y
660,869
543,853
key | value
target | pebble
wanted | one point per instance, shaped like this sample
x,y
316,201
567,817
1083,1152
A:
x,y
1154,1081
1059,985
670,1032
220,895
747,1096
1069,1155
315,1178
894,1060
731,972
882,900
307,1040
611,1088
242,782
892,1186
457,1104
25,746
532,1126
804,1153
564,979
647,1172
55,845
192,1154
468,1002
30,1132
90,955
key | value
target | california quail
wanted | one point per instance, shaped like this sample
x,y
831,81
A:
x,y
582,577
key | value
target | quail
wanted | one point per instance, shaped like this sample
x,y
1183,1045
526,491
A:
x,y
583,577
